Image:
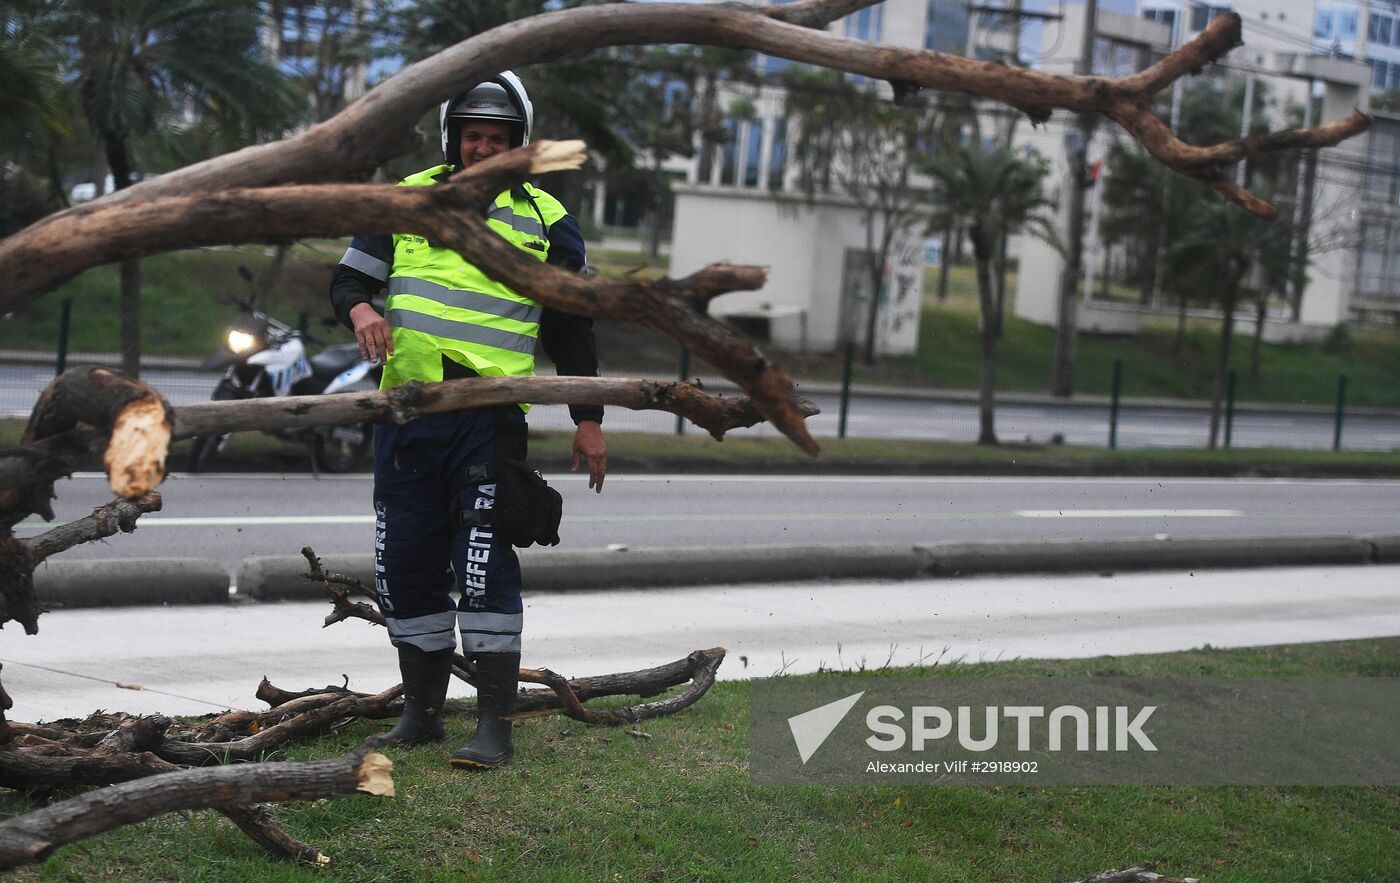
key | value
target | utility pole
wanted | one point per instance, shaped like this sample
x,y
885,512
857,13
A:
x,y
1067,318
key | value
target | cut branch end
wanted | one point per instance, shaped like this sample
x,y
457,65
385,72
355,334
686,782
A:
x,y
375,775
558,156
135,458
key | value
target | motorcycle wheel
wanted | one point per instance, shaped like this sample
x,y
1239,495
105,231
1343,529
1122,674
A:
x,y
341,448
205,448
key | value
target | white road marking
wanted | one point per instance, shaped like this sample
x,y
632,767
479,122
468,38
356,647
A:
x,y
231,521
821,479
1129,513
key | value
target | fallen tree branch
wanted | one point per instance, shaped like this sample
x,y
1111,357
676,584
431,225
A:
x,y
1143,873
256,821
380,126
316,721
200,204
32,837
567,695
19,558
135,418
451,215
701,668
715,414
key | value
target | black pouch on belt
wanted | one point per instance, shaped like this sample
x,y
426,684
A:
x,y
527,509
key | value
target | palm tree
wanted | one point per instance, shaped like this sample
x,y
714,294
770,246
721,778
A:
x,y
142,67
1224,244
993,194
29,69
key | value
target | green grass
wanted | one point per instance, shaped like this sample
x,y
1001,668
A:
x,y
182,314
585,803
1293,373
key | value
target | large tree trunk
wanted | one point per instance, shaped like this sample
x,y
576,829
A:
x,y
1222,359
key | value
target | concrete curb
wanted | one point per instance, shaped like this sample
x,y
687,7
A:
x,y
125,582
280,577
958,559
154,581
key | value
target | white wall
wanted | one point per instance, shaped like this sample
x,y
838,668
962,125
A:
x,y
804,245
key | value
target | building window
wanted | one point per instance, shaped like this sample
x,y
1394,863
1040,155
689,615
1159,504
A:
x,y
1383,160
753,153
777,154
1202,13
1165,16
1379,72
1114,58
1378,28
1346,25
1322,25
868,24
729,160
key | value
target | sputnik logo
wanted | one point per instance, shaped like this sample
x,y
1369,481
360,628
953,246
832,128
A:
x,y
811,728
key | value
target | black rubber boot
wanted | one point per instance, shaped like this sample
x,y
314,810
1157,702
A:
x,y
425,677
496,676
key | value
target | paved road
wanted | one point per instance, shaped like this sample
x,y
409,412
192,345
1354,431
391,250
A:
x,y
877,417
229,517
199,659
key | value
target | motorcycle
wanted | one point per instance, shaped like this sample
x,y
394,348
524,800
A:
x,y
264,358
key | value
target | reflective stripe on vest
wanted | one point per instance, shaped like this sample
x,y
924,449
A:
x,y
440,304
465,300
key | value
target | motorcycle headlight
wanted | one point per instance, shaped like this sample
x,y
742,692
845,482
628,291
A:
x,y
241,341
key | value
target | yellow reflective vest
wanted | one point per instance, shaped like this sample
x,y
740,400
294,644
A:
x,y
440,304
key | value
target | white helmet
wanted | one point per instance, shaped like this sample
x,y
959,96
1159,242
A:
x,y
501,99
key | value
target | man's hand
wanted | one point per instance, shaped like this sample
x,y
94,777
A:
x,y
373,333
589,444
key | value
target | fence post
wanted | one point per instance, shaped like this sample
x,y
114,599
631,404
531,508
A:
x,y
65,319
1113,403
846,387
684,375
1229,406
1341,406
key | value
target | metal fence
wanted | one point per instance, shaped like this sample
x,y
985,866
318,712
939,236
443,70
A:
x,y
925,415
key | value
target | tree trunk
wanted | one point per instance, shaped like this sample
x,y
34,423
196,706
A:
x,y
877,259
999,278
1179,344
262,293
945,260
130,301
704,166
1302,247
1261,308
986,430
653,219
1222,360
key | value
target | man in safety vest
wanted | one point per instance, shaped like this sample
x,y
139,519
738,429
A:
x,y
435,476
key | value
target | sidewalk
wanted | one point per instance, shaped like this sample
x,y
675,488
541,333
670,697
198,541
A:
x,y
201,659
